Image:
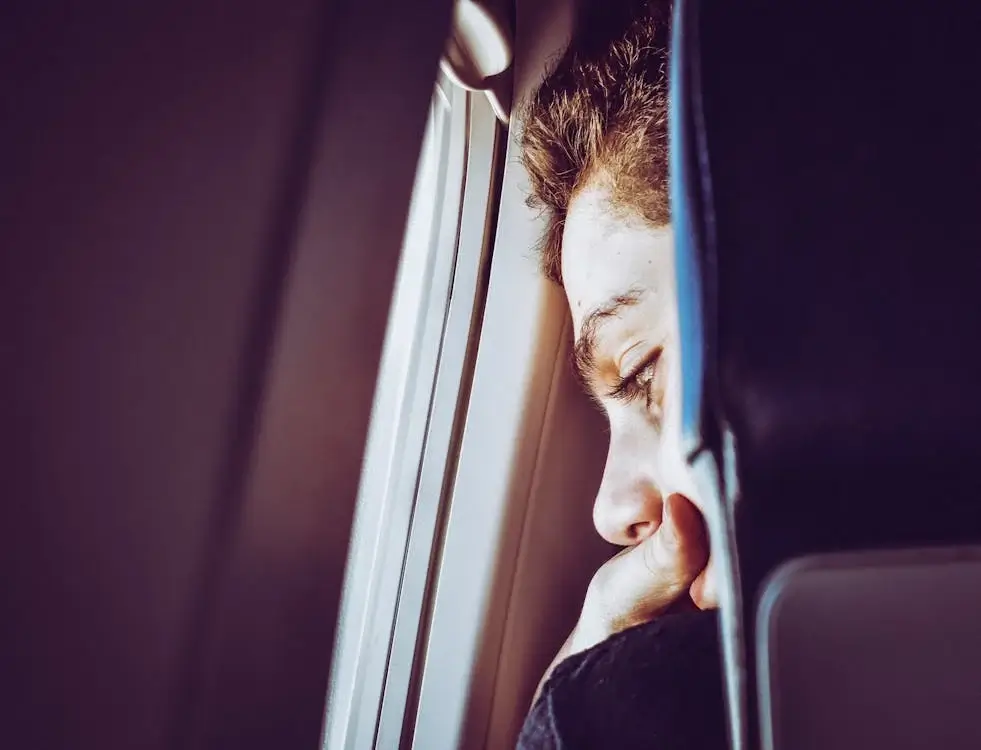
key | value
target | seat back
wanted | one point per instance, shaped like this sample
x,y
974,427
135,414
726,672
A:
x,y
827,189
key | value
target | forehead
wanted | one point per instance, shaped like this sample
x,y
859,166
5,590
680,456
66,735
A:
x,y
607,252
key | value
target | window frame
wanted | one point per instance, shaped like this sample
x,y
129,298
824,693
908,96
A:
x,y
410,456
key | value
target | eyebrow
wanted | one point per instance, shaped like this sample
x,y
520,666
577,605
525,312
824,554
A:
x,y
584,350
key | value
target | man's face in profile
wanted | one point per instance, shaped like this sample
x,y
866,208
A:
x,y
618,273
595,147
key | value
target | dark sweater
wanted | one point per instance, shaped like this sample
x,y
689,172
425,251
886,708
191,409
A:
x,y
655,686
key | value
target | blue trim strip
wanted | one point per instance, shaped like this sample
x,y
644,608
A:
x,y
687,273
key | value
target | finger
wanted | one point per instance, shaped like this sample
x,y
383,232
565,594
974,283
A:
x,y
679,548
704,589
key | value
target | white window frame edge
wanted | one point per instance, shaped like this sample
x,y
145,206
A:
x,y
398,518
474,237
384,507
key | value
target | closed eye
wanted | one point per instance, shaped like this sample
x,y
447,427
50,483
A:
x,y
637,383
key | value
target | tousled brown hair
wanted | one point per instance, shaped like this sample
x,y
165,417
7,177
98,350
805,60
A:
x,y
601,112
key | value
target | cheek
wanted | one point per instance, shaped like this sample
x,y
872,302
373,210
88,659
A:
x,y
676,475
673,465
640,454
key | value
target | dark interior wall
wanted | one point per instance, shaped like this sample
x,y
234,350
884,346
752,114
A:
x,y
173,525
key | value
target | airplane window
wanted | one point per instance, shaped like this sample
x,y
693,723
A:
x,y
430,344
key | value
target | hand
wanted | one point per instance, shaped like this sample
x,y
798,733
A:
x,y
646,580
642,582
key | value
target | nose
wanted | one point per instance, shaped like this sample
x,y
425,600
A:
x,y
628,506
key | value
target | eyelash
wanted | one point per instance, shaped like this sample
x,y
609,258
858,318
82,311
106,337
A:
x,y
630,386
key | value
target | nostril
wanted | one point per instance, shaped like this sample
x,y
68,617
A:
x,y
638,532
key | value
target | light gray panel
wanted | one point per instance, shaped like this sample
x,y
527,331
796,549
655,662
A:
x,y
873,650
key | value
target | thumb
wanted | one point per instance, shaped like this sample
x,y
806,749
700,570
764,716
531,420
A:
x,y
678,550
705,590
